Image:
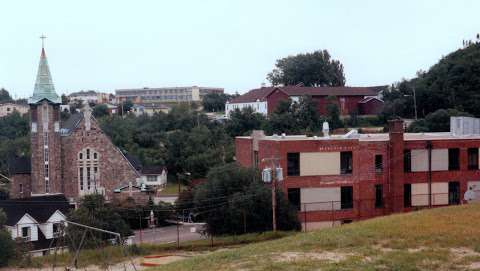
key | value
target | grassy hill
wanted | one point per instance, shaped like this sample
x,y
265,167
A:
x,y
438,239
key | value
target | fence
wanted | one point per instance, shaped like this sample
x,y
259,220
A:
x,y
314,215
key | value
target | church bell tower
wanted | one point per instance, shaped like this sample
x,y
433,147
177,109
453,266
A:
x,y
45,132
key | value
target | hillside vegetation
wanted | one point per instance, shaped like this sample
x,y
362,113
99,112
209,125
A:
x,y
438,239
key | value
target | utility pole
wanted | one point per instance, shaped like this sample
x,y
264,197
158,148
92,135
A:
x,y
273,161
415,103
429,147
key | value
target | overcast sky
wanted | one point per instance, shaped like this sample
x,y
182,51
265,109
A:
x,y
105,45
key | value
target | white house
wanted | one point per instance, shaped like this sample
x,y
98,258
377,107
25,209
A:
x,y
259,106
153,176
36,220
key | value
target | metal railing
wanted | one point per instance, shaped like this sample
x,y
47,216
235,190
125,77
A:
x,y
331,213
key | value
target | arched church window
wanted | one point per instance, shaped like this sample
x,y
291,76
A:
x,y
88,171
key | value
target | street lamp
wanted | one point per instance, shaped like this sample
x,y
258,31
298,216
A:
x,y
414,101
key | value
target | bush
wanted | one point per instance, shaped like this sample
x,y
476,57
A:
x,y
7,245
234,200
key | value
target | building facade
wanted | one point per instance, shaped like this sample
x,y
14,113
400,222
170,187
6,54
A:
x,y
91,96
165,95
342,178
72,157
9,107
149,108
349,99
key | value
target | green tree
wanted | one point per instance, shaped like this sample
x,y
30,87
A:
x,y
65,99
283,119
234,200
215,102
310,69
93,211
100,110
127,106
333,113
5,96
7,245
453,82
242,122
14,138
438,121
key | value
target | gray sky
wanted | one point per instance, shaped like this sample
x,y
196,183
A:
x,y
105,45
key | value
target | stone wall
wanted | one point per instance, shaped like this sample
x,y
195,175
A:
x,y
21,180
114,168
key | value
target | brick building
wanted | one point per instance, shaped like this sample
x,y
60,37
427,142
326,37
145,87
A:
x,y
342,178
362,100
72,157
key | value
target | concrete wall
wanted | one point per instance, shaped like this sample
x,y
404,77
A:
x,y
319,163
315,199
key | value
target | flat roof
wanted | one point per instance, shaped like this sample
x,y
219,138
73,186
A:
x,y
371,137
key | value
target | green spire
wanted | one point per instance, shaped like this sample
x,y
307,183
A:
x,y
44,89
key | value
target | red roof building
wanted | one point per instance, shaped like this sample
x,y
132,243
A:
x,y
342,178
350,99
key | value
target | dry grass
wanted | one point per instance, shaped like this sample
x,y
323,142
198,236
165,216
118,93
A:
x,y
110,255
439,239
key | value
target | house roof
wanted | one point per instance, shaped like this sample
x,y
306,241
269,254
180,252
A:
x,y
41,208
261,93
368,99
134,161
153,170
71,123
19,165
83,93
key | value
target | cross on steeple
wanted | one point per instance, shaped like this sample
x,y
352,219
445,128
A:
x,y
43,37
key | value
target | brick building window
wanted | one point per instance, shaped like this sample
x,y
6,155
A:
x,y
454,159
378,196
346,197
45,172
293,164
378,163
473,159
407,195
407,161
346,162
294,197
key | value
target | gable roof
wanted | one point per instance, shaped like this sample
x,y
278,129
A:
x,y
134,161
261,93
71,123
153,170
368,99
40,208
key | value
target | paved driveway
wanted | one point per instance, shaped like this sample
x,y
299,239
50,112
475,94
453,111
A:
x,y
166,235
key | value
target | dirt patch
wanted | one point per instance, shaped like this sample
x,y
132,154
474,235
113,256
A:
x,y
321,256
474,266
161,260
461,252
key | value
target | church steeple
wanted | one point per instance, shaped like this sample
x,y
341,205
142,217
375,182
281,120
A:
x,y
44,88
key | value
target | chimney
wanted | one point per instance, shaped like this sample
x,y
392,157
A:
x,y
396,164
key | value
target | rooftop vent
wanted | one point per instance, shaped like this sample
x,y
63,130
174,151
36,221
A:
x,y
326,129
464,126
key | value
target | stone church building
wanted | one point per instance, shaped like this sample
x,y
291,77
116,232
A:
x,y
72,157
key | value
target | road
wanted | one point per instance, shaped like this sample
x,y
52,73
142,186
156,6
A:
x,y
165,235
